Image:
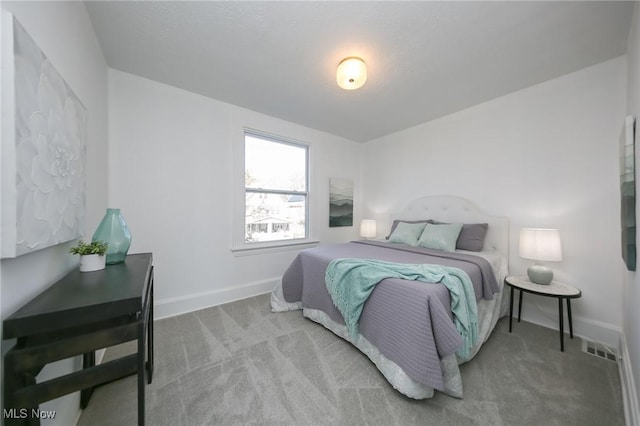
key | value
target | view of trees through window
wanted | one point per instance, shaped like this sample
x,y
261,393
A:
x,y
275,180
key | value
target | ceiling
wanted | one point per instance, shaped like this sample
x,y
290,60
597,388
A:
x,y
425,59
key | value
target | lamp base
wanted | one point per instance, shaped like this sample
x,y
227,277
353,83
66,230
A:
x,y
540,274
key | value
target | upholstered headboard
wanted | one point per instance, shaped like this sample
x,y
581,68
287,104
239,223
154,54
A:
x,y
449,208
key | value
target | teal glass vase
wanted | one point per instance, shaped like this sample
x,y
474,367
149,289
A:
x,y
114,231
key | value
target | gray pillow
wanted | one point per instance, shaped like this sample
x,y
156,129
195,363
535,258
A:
x,y
397,221
471,236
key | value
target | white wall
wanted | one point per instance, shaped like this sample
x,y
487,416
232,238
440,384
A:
x,y
631,287
64,33
171,156
545,156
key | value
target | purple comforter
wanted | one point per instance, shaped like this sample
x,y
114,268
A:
x,y
409,322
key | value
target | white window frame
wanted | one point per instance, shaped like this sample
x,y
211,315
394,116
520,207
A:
x,y
240,247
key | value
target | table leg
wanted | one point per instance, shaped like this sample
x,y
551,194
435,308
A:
x,y
520,305
88,361
569,315
561,315
141,370
14,379
511,309
150,341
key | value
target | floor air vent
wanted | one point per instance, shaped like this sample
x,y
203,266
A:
x,y
599,350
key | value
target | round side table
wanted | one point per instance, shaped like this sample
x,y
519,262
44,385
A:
x,y
559,290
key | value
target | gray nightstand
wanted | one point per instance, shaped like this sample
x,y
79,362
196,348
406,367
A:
x,y
556,289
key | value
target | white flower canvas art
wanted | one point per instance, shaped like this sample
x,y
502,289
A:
x,y
44,127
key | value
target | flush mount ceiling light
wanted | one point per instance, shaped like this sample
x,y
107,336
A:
x,y
352,73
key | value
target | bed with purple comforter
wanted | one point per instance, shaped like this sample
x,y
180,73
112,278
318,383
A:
x,y
406,327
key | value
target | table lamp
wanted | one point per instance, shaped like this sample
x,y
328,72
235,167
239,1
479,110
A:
x,y
368,228
540,245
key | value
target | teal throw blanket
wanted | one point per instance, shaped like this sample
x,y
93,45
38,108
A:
x,y
351,281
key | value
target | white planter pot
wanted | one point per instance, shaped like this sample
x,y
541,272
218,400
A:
x,y
92,262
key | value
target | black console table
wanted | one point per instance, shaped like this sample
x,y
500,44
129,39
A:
x,y
82,312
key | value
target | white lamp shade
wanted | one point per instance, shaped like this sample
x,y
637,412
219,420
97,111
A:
x,y
351,73
540,244
368,228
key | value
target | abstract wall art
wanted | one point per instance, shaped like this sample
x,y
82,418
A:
x,y
44,126
340,202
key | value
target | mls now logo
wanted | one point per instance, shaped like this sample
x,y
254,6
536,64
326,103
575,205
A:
x,y
24,413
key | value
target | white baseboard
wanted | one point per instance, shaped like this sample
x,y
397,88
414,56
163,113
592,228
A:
x,y
629,393
165,308
596,331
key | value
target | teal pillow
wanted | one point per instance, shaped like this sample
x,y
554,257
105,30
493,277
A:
x,y
407,233
440,237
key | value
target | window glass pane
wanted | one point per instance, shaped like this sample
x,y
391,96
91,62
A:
x,y
273,165
270,217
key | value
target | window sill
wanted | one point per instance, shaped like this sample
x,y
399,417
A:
x,y
273,247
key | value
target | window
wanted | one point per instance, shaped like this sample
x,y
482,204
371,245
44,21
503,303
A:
x,y
276,182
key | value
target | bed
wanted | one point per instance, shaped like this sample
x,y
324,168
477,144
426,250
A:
x,y
406,327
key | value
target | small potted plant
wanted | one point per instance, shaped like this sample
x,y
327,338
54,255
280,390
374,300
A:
x,y
92,255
